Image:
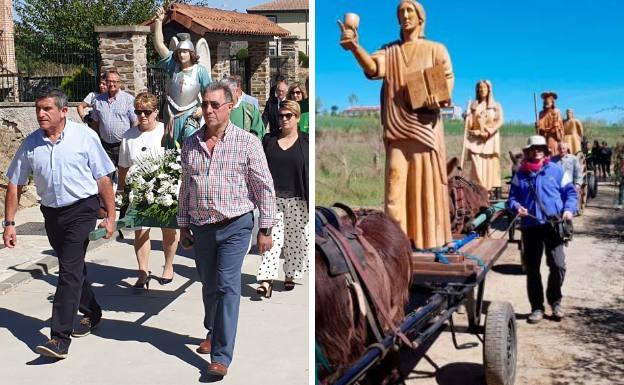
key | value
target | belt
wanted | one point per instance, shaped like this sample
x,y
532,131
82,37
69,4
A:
x,y
228,220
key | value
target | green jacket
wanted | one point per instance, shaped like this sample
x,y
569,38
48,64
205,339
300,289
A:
x,y
304,120
247,117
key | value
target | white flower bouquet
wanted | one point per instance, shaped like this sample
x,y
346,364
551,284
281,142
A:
x,y
152,188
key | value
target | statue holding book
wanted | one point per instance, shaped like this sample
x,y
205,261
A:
x,y
483,121
417,81
550,124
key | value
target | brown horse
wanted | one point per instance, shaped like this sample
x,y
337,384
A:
x,y
342,331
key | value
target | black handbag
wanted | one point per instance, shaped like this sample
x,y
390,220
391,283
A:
x,y
562,230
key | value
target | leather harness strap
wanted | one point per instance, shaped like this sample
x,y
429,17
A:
x,y
384,314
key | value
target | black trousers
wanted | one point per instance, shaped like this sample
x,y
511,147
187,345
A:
x,y
535,240
112,150
68,232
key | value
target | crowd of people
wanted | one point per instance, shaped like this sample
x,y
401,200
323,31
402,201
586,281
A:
x,y
235,163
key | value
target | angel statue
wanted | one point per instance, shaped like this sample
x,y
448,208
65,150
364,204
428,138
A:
x,y
189,73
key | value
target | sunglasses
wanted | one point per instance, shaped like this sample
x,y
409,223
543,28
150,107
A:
x,y
146,112
288,115
213,105
296,92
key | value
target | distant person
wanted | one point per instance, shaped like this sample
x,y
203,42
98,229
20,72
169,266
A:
x,y
70,170
246,97
244,115
87,102
113,115
596,157
618,170
570,164
304,121
269,115
139,143
296,92
287,156
605,160
540,180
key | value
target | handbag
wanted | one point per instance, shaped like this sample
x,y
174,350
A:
x,y
562,230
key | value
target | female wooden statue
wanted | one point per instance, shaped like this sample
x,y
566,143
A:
x,y
416,182
482,137
573,132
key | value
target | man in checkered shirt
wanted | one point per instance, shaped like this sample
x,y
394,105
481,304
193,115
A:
x,y
225,175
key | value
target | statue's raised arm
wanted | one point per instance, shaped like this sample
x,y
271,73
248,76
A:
x,y
159,40
349,41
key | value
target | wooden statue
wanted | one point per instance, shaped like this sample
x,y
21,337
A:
x,y
483,121
416,193
573,132
550,124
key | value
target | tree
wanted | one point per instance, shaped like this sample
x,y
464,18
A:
x,y
353,99
318,105
334,110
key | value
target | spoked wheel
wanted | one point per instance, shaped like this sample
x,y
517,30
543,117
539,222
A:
x,y
500,346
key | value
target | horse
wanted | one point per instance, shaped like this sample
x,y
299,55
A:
x,y
466,198
342,329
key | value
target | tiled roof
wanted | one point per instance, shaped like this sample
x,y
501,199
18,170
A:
x,y
281,5
202,19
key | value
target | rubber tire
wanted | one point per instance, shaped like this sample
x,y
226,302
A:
x,y
592,185
500,344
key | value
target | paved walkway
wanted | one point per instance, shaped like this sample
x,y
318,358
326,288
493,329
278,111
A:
x,y
145,337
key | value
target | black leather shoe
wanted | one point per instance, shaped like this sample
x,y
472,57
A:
x,y
54,348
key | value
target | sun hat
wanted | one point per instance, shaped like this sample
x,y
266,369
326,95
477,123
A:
x,y
536,141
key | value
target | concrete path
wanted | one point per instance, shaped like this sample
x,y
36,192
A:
x,y
145,337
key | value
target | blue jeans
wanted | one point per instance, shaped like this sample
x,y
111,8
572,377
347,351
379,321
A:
x,y
219,253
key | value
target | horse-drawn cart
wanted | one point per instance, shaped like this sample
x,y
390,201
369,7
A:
x,y
442,281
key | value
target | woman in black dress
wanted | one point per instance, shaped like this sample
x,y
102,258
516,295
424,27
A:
x,y
286,150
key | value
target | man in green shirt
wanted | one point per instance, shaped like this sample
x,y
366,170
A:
x,y
245,115
304,120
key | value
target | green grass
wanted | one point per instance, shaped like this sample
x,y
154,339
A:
x,y
350,156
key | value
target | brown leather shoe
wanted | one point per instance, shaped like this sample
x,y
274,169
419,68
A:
x,y
205,347
217,369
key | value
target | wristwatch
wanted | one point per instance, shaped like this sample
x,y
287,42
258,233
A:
x,y
266,231
8,223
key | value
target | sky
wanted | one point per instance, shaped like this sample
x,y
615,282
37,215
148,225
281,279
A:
x,y
573,47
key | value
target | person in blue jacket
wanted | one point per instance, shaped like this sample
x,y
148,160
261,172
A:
x,y
558,196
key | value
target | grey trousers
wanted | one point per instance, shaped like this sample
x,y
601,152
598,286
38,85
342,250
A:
x,y
219,253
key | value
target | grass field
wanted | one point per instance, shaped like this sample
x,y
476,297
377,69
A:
x,y
350,156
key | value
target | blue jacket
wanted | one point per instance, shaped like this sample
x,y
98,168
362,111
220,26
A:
x,y
554,188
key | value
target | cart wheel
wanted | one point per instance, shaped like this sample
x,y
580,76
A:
x,y
499,347
592,185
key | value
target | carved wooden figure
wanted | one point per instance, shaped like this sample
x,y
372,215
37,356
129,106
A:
x,y
550,124
483,121
416,181
573,131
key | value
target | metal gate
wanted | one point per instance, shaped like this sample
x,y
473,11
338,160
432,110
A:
x,y
240,67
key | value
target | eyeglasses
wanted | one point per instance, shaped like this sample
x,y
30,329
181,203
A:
x,y
297,92
113,81
213,105
146,112
288,116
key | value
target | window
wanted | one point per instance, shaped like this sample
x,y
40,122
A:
x,y
272,18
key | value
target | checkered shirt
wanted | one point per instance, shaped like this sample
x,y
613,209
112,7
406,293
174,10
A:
x,y
228,183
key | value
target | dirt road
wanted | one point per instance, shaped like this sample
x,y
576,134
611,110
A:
x,y
587,346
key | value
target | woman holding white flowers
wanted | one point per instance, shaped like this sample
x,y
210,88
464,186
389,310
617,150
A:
x,y
138,143
286,151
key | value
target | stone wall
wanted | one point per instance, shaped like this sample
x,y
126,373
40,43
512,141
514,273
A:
x,y
259,68
122,47
291,68
221,65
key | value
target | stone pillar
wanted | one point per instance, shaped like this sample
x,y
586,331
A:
x,y
290,70
221,68
8,65
259,69
122,47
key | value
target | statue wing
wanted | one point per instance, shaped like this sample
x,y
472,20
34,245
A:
x,y
173,43
203,51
